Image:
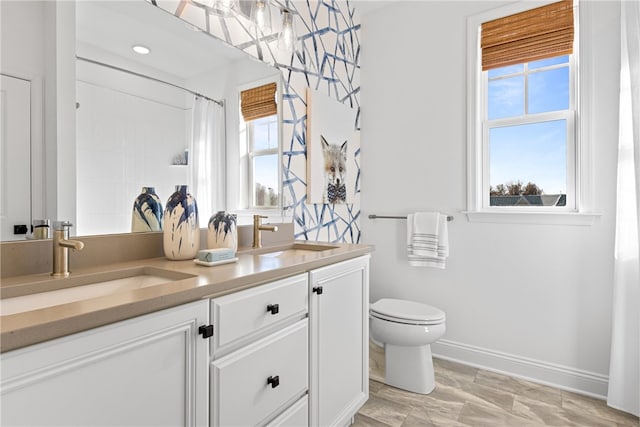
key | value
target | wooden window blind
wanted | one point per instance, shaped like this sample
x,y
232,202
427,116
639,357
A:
x,y
527,36
258,102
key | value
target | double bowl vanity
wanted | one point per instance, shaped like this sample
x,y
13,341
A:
x,y
278,338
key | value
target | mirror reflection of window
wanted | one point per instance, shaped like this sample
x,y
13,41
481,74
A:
x,y
260,114
263,154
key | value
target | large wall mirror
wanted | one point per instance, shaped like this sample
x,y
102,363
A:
x,y
140,120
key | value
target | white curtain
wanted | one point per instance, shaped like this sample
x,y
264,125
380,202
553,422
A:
x,y
207,157
624,375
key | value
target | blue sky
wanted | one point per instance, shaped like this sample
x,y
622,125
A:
x,y
532,152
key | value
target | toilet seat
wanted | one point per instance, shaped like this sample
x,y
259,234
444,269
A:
x,y
408,312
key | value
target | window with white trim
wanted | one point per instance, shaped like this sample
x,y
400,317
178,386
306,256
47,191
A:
x,y
260,125
263,155
528,136
524,152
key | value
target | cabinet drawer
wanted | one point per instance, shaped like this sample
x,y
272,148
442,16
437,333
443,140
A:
x,y
241,317
243,395
297,415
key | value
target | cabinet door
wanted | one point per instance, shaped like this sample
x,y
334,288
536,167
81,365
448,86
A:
x,y
339,336
150,370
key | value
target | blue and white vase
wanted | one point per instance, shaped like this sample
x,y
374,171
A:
x,y
181,226
147,212
223,231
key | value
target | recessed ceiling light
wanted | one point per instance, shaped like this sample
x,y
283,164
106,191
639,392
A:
x,y
142,50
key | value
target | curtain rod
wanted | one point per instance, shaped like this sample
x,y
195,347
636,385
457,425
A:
x,y
374,216
124,70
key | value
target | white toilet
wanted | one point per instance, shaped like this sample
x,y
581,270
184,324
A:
x,y
407,329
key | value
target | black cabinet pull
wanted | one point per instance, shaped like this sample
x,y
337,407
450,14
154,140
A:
x,y
318,290
273,308
274,381
206,331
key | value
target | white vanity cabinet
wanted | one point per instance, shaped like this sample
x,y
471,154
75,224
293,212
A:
x,y
289,353
339,341
260,355
150,370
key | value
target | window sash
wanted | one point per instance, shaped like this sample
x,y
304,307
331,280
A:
x,y
571,156
251,156
569,115
527,72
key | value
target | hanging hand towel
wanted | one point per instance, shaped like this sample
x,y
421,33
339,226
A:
x,y
427,239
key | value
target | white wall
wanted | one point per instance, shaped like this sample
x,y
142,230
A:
x,y
25,21
129,131
533,300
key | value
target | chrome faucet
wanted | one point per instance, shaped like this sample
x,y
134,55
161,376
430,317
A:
x,y
257,227
61,246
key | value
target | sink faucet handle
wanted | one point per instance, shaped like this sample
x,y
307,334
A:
x,y
62,225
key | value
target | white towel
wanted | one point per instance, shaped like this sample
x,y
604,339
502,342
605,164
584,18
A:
x,y
427,239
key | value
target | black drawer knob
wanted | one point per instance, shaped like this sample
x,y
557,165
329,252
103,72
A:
x,y
274,381
206,331
318,290
273,308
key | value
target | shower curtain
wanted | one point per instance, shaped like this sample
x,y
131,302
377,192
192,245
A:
x,y
624,375
207,162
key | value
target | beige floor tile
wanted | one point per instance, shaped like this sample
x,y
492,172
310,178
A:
x,y
401,396
439,412
467,396
548,395
488,396
375,386
364,421
376,362
596,408
479,415
550,415
418,417
453,374
385,411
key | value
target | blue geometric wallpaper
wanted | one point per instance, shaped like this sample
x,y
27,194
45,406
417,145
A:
x,y
328,60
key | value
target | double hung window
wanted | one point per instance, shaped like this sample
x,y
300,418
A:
x,y
263,157
523,139
260,114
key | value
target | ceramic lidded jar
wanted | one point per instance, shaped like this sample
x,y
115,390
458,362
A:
x,y
181,229
223,231
147,212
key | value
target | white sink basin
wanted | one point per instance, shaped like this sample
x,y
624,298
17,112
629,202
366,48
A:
x,y
297,249
78,288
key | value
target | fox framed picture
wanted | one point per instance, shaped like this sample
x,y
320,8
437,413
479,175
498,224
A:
x,y
332,141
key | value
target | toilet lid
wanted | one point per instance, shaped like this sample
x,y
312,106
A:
x,y
407,310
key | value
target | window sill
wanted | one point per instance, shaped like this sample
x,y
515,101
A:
x,y
536,218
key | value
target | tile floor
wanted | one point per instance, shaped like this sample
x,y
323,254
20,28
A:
x,y
467,396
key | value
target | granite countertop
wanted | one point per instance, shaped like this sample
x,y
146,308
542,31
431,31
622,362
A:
x,y
254,267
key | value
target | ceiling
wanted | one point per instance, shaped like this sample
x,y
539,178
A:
x,y
176,47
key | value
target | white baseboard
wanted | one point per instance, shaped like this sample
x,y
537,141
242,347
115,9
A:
x,y
562,377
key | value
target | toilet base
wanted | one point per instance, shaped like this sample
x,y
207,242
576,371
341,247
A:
x,y
409,368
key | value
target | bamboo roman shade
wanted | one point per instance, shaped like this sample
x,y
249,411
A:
x,y
531,35
258,102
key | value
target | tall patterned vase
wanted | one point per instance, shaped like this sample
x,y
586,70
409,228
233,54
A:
x,y
222,231
181,226
147,212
